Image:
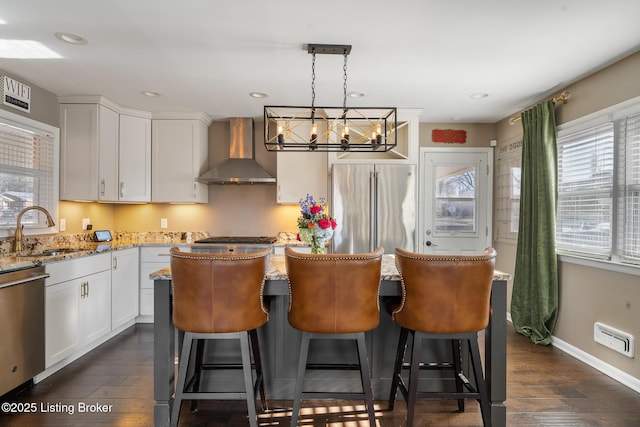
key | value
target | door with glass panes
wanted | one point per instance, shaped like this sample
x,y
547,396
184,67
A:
x,y
456,200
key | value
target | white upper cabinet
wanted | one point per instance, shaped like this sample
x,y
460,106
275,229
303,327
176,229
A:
x,y
180,155
81,126
105,152
134,159
301,173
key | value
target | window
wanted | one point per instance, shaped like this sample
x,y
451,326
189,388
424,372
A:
x,y
599,185
585,191
630,237
508,161
456,198
28,172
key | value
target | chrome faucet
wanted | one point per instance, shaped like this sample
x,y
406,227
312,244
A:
x,y
17,246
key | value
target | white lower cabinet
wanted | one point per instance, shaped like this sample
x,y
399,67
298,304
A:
x,y
279,250
124,286
152,258
77,305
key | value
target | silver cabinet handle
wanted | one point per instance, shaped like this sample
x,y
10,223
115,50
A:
x,y
122,189
102,186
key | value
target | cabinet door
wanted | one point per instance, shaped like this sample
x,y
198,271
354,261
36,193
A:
x,y
95,306
124,287
134,159
78,152
152,258
179,157
62,324
108,130
299,174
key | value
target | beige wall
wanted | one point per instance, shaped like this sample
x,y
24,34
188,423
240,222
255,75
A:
x,y
589,294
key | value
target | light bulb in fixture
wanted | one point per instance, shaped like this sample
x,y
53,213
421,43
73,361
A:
x,y
280,135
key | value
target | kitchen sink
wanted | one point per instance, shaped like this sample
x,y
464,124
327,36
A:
x,y
52,252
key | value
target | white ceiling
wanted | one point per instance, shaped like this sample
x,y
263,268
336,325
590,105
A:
x,y
205,55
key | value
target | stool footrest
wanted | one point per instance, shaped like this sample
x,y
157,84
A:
x,y
323,395
332,367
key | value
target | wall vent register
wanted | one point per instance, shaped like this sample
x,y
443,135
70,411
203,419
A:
x,y
617,340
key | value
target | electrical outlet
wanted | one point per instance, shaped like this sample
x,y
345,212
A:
x,y
85,223
163,223
63,224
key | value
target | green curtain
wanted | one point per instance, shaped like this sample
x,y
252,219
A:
x,y
534,301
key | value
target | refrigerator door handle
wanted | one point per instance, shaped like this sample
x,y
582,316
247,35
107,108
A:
x,y
373,184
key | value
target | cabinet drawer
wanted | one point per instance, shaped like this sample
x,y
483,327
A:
x,y
157,253
62,271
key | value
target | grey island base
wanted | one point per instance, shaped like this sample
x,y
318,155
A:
x,y
279,344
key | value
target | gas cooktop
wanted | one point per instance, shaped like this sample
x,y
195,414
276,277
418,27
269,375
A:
x,y
265,240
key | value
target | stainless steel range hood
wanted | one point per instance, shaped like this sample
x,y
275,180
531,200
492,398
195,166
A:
x,y
241,168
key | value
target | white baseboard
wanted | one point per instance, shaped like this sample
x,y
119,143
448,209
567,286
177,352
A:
x,y
607,369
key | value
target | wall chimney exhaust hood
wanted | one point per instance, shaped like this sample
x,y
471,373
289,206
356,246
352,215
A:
x,y
241,168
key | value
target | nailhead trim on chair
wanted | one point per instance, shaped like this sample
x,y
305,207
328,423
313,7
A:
x,y
333,258
227,258
485,257
345,257
218,257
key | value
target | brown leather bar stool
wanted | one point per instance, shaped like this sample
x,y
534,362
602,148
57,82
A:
x,y
219,296
443,297
334,296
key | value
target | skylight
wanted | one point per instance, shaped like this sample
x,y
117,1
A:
x,y
25,49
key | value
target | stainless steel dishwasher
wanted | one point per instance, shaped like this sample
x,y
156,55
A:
x,y
21,326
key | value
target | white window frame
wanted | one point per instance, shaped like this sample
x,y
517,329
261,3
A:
x,y
508,158
616,113
35,126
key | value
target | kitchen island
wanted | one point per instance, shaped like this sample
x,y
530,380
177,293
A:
x,y
280,343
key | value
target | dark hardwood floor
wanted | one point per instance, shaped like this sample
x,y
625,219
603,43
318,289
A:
x,y
546,387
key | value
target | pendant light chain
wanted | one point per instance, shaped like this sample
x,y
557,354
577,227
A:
x,y
344,86
313,79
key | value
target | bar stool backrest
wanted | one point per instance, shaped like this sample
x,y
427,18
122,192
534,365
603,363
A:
x,y
218,293
444,294
334,293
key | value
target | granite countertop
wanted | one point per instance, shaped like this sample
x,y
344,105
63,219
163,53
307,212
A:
x,y
125,240
276,270
122,240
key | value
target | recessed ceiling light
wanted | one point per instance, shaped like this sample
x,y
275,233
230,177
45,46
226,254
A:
x,y
150,93
356,94
479,95
258,94
72,38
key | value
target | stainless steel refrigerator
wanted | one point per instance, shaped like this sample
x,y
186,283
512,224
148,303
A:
x,y
374,205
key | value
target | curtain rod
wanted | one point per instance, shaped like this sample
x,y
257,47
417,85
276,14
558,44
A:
x,y
563,97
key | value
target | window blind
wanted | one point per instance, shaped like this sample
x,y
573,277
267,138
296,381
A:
x,y
507,208
26,173
631,237
585,191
